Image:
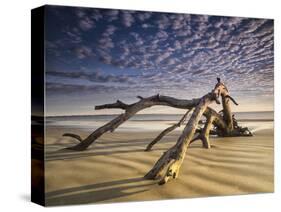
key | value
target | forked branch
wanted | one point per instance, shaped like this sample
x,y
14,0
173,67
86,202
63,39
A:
x,y
166,131
132,109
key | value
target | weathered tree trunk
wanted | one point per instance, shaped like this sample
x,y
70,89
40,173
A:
x,y
227,115
232,128
173,158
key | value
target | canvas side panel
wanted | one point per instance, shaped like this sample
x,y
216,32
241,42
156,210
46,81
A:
x,y
37,106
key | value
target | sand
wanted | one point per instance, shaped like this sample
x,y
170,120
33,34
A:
x,y
112,169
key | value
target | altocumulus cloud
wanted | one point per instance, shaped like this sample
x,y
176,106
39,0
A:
x,y
158,52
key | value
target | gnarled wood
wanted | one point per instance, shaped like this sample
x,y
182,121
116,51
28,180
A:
x,y
223,123
173,158
205,133
132,109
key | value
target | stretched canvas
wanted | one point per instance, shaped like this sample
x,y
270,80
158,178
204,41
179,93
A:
x,y
138,105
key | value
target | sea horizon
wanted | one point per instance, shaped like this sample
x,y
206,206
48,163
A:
x,y
150,122
269,112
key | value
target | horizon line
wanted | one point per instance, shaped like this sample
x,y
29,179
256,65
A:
x,y
111,114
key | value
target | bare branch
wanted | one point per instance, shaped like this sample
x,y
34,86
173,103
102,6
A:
x,y
73,136
117,104
166,131
232,99
131,110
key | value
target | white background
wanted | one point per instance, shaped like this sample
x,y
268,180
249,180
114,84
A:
x,y
15,103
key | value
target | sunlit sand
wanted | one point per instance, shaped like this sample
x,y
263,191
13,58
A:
x,y
112,169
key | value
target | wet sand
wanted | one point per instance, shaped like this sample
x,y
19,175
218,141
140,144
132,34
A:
x,y
112,169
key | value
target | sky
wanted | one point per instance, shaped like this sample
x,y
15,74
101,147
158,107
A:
x,y
96,56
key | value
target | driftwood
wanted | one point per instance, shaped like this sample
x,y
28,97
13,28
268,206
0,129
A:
x,y
132,109
204,134
166,131
220,124
77,137
173,158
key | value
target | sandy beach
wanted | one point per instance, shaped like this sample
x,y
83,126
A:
x,y
112,169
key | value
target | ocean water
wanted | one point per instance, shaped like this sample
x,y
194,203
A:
x,y
153,122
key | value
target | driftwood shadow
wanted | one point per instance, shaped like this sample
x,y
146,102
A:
x,y
98,192
68,154
115,148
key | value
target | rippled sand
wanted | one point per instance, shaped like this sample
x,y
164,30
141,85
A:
x,y
112,169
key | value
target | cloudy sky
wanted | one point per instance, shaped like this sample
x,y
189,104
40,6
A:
x,y
96,56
